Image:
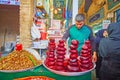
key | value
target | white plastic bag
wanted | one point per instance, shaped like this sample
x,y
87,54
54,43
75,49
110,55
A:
x,y
35,33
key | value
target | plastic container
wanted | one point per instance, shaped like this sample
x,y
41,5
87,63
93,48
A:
x,y
18,47
43,35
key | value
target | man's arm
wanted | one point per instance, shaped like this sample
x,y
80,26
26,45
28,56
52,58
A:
x,y
66,34
92,40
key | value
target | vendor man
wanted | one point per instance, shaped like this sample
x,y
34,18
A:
x,y
81,32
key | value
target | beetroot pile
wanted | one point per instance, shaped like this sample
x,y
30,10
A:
x,y
55,57
86,57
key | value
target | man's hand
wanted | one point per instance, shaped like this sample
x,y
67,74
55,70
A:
x,y
94,57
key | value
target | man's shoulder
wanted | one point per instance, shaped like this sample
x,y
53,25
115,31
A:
x,y
88,27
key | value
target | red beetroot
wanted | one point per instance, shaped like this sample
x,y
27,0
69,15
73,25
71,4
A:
x,y
85,61
61,45
46,61
61,49
60,56
84,47
79,62
51,53
59,63
51,49
72,60
91,66
65,63
60,68
74,42
90,60
47,53
87,66
73,51
89,53
73,56
51,63
89,50
73,47
84,51
73,63
52,67
84,55
61,60
85,58
51,44
61,52
87,42
91,63
73,68
52,40
83,69
51,56
61,41
51,59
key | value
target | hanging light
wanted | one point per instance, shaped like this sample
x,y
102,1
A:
x,y
55,11
59,9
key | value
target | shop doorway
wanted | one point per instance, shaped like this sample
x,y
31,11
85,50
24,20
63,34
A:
x,y
9,23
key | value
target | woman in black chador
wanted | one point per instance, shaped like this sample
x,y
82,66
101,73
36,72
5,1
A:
x,y
109,49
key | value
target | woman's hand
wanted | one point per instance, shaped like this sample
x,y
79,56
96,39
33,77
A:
x,y
94,57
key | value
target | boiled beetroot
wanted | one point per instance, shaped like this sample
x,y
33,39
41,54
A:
x,y
73,47
74,42
52,40
73,51
73,56
73,68
61,41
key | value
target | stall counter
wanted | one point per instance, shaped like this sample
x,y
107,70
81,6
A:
x,y
42,71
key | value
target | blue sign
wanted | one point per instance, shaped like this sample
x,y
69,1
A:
x,y
70,14
97,16
10,2
94,18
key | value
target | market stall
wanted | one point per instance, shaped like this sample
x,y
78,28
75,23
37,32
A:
x,y
42,67
42,71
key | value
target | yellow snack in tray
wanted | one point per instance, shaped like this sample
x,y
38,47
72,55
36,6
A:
x,y
18,60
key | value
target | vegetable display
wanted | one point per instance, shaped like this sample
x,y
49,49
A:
x,y
56,57
18,60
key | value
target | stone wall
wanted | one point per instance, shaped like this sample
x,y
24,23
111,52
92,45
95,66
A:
x,y
26,18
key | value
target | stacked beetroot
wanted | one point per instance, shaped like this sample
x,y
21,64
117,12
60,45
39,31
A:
x,y
85,57
50,56
55,58
73,65
60,55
